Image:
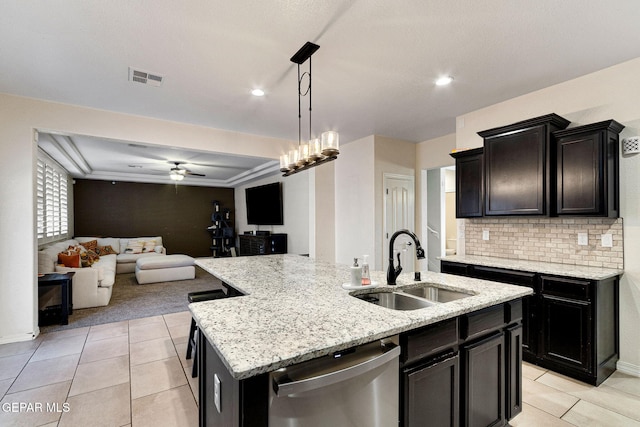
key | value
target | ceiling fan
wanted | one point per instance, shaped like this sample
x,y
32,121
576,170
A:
x,y
177,173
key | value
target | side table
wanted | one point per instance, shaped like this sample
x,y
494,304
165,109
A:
x,y
66,294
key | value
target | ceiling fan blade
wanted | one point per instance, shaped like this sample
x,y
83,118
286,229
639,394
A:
x,y
194,174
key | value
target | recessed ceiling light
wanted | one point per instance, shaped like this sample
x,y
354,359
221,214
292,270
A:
x,y
444,80
257,92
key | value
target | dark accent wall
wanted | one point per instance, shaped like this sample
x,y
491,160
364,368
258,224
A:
x,y
179,214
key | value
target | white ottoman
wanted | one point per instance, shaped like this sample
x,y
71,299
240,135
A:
x,y
164,268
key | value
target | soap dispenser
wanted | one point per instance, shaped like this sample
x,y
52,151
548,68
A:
x,y
366,277
356,273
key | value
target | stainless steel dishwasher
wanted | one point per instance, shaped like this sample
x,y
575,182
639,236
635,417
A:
x,y
357,387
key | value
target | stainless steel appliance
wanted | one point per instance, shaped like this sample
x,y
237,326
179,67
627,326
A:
x,y
357,387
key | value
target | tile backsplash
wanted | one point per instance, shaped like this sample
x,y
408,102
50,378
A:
x,y
546,240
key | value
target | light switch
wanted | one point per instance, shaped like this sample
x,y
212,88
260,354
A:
x,y
583,239
485,234
607,240
216,391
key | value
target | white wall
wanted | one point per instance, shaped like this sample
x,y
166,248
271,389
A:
x,y
295,204
20,116
603,95
322,212
354,201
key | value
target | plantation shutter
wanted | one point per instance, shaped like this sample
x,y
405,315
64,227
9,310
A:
x,y
51,192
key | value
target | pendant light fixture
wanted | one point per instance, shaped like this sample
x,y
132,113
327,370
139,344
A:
x,y
315,151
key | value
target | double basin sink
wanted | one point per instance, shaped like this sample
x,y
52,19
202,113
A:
x,y
413,298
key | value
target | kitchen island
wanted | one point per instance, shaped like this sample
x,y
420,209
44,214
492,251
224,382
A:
x,y
294,309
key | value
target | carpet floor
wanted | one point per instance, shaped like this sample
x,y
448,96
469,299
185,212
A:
x,y
130,300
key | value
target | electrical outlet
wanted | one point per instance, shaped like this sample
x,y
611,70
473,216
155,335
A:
x,y
485,234
583,239
607,240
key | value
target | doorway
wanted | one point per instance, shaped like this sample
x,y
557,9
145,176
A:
x,y
439,214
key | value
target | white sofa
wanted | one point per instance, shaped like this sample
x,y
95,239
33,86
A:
x,y
92,286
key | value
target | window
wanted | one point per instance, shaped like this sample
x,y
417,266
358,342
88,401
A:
x,y
51,205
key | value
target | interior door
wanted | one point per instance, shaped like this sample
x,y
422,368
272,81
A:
x,y
435,219
399,214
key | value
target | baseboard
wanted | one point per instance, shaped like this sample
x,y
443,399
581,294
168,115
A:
x,y
20,337
628,368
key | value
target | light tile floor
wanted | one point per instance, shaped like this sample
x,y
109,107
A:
x,y
134,373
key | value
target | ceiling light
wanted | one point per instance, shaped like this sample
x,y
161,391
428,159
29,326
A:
x,y
257,92
314,152
444,80
176,176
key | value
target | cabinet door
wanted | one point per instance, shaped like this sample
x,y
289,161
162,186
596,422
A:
x,y
469,183
483,394
513,371
580,178
588,170
431,394
516,173
566,332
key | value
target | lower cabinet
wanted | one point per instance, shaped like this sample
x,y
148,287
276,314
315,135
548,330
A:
x,y
464,371
513,359
431,392
483,393
570,325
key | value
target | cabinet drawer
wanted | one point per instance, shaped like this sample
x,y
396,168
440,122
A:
x,y
563,287
513,311
429,340
482,321
501,275
454,268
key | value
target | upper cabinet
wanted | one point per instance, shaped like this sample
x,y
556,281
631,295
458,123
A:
x,y
587,170
469,183
518,161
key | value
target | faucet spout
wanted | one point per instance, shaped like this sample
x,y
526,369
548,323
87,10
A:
x,y
394,272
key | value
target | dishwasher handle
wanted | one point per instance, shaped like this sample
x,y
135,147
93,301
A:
x,y
331,378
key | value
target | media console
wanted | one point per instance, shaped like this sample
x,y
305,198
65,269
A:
x,y
263,244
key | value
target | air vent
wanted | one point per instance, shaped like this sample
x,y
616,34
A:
x,y
145,77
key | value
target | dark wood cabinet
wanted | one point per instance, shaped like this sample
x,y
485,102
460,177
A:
x,y
588,170
570,325
566,332
464,371
469,183
513,360
431,393
518,162
483,393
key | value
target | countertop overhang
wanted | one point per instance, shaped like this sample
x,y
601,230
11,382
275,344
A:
x,y
295,309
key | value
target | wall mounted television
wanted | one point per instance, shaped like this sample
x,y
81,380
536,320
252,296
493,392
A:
x,y
264,204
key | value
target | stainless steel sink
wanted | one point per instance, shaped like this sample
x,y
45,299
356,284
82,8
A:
x,y
395,301
436,294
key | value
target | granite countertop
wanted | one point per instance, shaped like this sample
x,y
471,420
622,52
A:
x,y
566,270
296,309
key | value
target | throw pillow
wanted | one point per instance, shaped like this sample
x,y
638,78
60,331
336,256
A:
x,y
90,245
149,246
88,258
134,247
105,250
71,260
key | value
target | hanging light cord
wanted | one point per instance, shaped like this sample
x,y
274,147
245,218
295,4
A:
x,y
300,95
